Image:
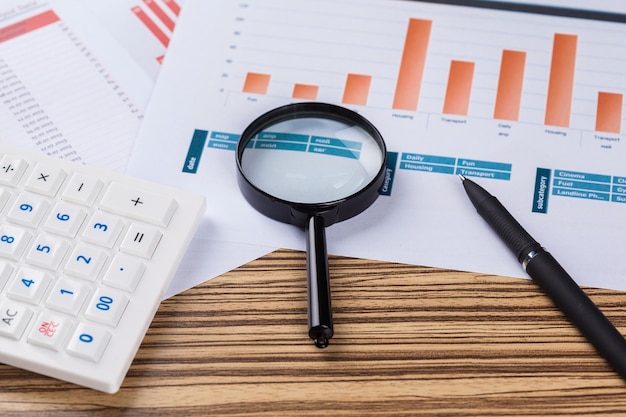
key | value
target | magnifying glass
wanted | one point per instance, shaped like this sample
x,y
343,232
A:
x,y
312,165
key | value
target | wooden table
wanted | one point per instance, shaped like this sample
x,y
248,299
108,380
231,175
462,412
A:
x,y
409,340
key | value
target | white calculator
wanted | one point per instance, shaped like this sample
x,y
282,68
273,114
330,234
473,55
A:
x,y
85,257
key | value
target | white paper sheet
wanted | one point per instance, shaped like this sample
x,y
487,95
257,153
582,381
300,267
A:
x,y
427,219
68,89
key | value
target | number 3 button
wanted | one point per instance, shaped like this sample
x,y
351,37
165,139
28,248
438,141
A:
x,y
103,229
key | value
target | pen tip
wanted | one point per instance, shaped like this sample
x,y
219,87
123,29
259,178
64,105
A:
x,y
462,177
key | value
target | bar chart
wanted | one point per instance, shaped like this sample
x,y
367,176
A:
x,y
158,19
493,72
498,74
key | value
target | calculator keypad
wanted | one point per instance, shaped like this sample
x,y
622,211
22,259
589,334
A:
x,y
74,249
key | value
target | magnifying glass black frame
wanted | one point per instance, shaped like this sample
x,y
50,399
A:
x,y
313,217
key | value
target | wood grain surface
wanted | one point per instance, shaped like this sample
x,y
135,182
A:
x,y
409,341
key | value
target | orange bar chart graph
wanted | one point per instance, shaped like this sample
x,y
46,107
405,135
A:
x,y
256,83
459,88
305,91
412,65
609,113
561,80
558,71
509,91
357,89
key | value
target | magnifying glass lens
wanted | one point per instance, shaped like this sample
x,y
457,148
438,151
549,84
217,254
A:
x,y
311,160
311,165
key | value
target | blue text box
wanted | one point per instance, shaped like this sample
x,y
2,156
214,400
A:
x,y
587,195
339,143
488,165
283,137
328,150
433,159
582,176
229,137
194,153
480,173
582,185
438,169
284,146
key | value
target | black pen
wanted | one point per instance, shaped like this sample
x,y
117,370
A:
x,y
552,278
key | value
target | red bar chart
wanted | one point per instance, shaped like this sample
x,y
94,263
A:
x,y
158,17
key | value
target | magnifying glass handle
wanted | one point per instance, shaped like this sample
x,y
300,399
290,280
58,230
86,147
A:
x,y
318,283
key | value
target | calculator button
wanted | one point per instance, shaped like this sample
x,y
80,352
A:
x,y
49,330
4,197
82,189
13,319
67,296
141,241
13,241
28,210
107,306
138,204
11,170
65,219
103,229
89,342
5,273
29,285
85,262
45,179
124,273
47,252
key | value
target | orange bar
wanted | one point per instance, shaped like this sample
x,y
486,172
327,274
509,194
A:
x,y
609,115
256,83
305,91
412,65
509,94
357,89
561,84
459,88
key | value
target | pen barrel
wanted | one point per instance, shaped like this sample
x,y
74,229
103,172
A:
x,y
508,229
579,309
318,283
